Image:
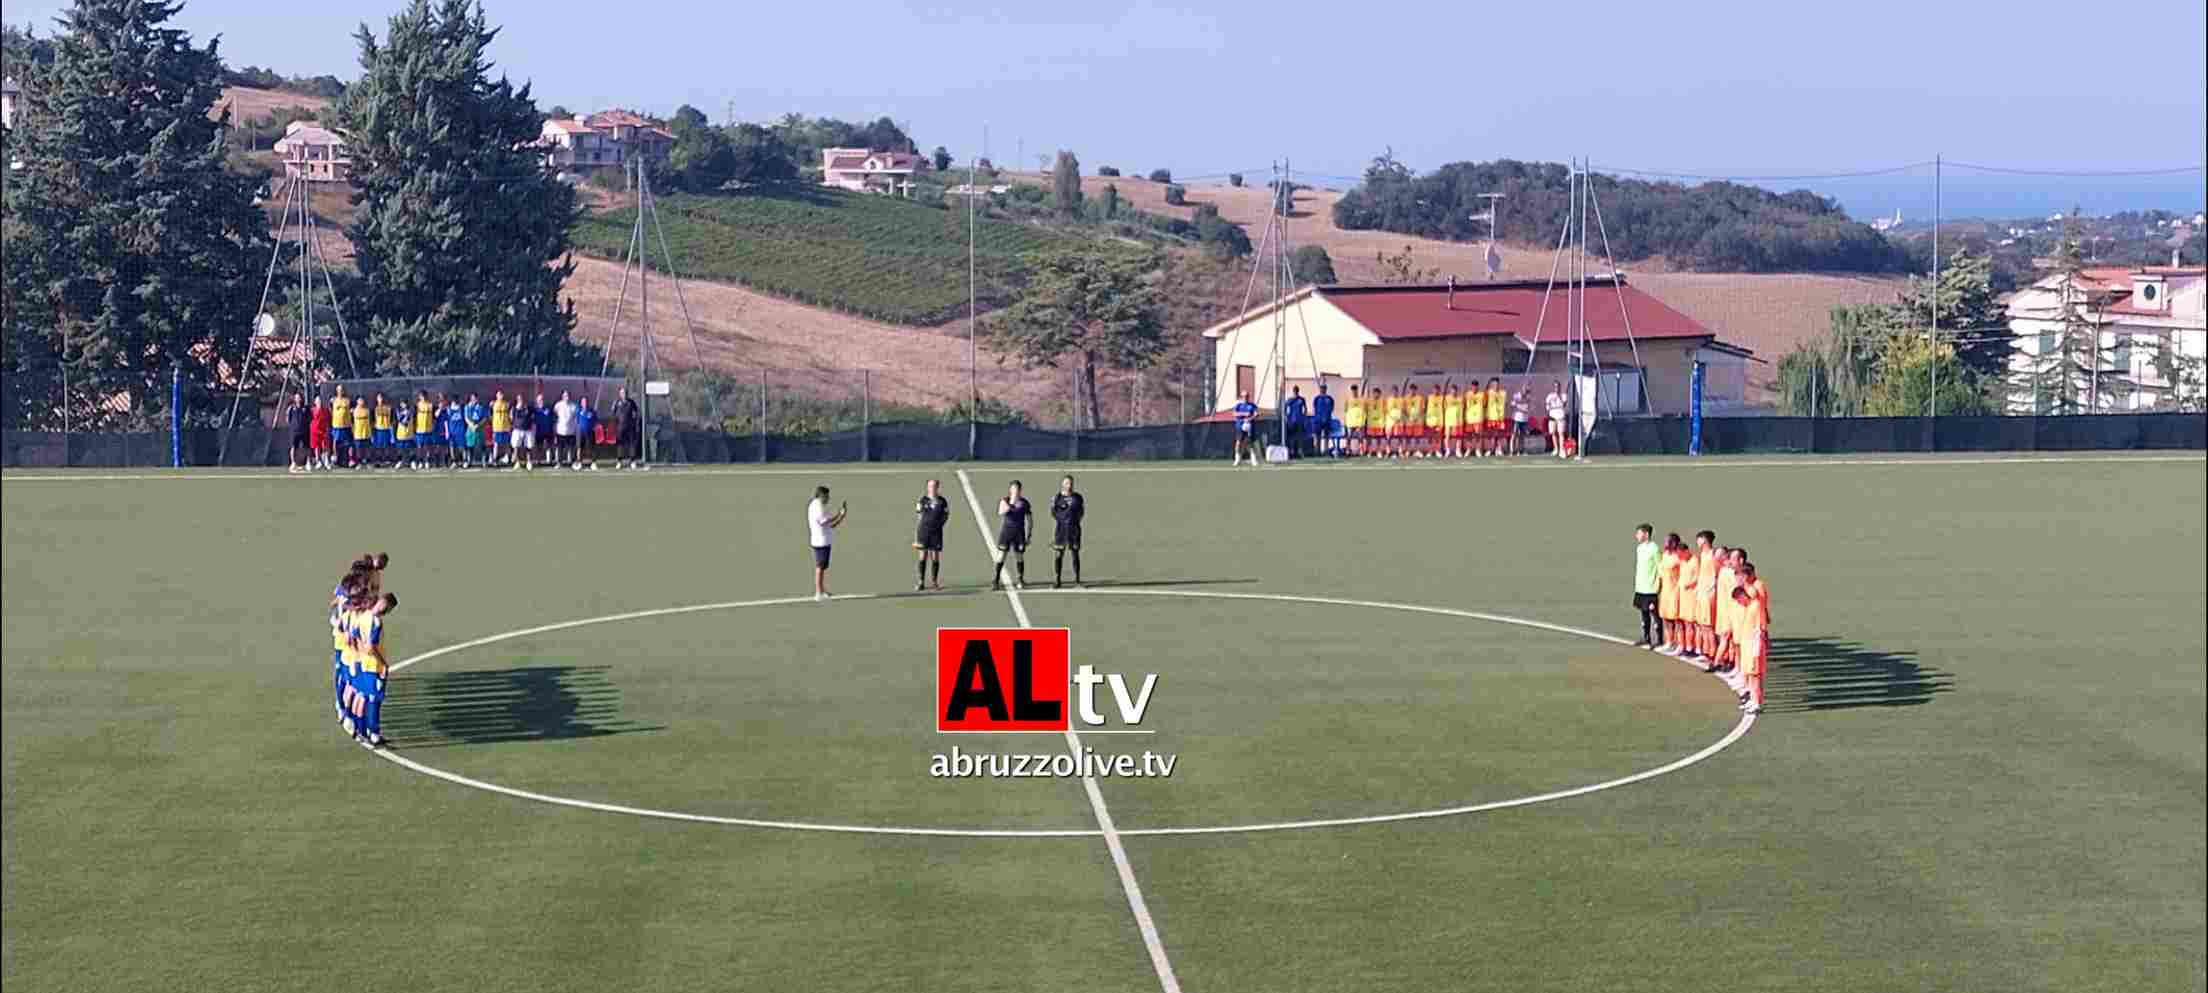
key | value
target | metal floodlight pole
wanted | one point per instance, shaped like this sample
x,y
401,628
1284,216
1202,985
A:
x,y
973,309
1935,363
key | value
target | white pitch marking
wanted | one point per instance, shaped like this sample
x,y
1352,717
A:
x,y
1151,940
1738,731
833,469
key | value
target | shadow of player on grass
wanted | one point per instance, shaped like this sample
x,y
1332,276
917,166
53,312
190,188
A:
x,y
1815,674
529,703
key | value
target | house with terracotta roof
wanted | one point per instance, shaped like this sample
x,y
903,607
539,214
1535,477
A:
x,y
313,153
2137,312
1641,353
862,170
572,146
636,136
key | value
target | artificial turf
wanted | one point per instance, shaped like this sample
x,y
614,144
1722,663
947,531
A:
x,y
1983,767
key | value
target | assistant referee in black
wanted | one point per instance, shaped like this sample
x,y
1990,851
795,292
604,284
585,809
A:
x,y
1067,508
932,513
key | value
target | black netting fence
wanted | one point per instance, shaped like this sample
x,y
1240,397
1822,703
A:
x,y
904,442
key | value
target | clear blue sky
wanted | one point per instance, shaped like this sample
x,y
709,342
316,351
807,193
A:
x,y
1716,87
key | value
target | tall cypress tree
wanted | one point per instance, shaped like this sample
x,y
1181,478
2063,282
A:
x,y
132,251
461,231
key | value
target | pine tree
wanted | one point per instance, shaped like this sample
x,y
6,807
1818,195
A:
x,y
2065,373
133,253
461,231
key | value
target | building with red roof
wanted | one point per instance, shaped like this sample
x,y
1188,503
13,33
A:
x,y
861,170
2141,318
606,139
1426,335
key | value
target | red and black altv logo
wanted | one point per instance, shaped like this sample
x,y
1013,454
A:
x,y
1015,680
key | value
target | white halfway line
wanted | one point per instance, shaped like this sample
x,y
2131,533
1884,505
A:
x,y
1143,921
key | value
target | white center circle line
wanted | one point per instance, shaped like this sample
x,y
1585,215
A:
x,y
1738,731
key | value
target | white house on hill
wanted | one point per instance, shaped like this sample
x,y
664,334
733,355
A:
x,y
1428,334
861,170
313,153
2136,313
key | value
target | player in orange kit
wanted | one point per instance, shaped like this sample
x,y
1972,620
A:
x,y
1667,598
1690,604
1752,616
1704,609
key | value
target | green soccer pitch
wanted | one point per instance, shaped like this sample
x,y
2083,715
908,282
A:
x,y
1982,767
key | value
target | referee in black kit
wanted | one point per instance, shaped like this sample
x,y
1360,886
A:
x,y
1067,508
932,513
1012,536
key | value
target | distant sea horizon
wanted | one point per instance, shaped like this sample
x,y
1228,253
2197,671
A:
x,y
1996,197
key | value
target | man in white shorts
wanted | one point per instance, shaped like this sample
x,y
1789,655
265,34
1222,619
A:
x,y
524,435
821,524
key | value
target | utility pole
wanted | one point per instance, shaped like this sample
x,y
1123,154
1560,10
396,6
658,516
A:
x,y
1493,261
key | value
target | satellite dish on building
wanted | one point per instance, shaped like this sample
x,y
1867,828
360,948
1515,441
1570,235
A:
x,y
264,325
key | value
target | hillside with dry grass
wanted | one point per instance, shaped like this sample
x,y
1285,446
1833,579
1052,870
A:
x,y
1768,312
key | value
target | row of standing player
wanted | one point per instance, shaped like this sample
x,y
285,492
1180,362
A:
x,y
357,608
1705,605
1418,422
441,432
1015,529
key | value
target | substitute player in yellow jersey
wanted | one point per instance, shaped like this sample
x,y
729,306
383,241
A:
x,y
1497,403
1436,422
429,433
1396,437
502,424
363,432
341,429
1452,423
1353,421
1475,419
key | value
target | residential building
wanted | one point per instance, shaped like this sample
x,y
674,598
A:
x,y
572,146
1641,355
633,136
10,95
313,153
2150,331
862,170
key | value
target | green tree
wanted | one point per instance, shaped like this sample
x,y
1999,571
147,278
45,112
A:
x,y
1969,311
1176,196
132,252
1224,239
702,159
1909,366
461,232
1311,264
1161,175
559,112
1096,307
1065,183
758,157
687,118
1108,204
1234,179
941,160
1805,382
